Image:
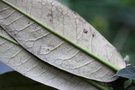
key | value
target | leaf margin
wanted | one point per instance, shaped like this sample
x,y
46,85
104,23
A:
x,y
108,64
91,82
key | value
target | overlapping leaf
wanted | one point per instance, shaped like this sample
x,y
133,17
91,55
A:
x,y
53,49
20,60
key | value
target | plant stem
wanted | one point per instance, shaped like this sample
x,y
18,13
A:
x,y
96,84
105,62
10,40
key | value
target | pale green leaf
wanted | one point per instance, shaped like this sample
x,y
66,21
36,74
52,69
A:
x,y
51,48
20,60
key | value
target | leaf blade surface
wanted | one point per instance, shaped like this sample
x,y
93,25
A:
x,y
55,51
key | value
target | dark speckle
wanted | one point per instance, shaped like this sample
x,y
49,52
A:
x,y
93,35
85,31
48,49
50,15
29,22
15,34
51,20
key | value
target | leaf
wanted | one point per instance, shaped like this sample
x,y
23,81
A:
x,y
22,61
128,72
51,48
9,81
128,83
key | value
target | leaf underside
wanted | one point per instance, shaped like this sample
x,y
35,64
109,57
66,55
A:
x,y
23,62
53,49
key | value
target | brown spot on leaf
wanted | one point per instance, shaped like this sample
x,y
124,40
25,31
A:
x,y
85,31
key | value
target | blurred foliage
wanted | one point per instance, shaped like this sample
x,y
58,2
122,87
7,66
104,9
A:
x,y
115,19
